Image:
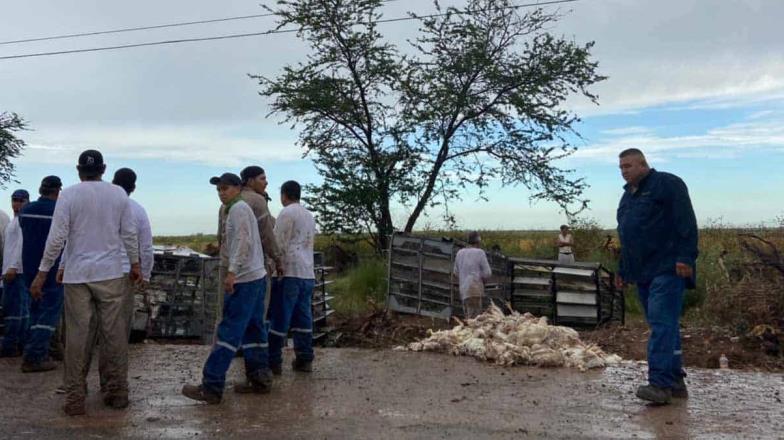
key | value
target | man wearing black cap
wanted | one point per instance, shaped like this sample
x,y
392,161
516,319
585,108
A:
x,y
242,325
35,221
16,301
94,223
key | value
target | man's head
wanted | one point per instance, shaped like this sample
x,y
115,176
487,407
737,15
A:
x,y
290,192
91,166
50,187
126,179
633,166
229,186
474,239
19,198
254,178
564,229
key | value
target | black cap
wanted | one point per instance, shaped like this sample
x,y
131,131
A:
x,y
91,160
226,179
20,194
125,178
51,182
251,172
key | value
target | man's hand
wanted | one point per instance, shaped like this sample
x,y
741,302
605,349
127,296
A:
x,y
59,276
619,284
10,276
37,287
279,267
228,283
683,270
136,273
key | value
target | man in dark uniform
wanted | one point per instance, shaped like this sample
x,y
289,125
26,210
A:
x,y
658,233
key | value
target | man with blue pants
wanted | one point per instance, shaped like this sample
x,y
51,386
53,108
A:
x,y
36,220
658,232
290,305
16,300
242,325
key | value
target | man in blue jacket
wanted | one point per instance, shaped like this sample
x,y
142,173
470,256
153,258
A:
x,y
658,232
35,220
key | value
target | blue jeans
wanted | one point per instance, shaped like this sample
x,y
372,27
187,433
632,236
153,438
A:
x,y
290,309
662,300
243,327
16,310
44,317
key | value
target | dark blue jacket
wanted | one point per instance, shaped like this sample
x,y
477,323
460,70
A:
x,y
657,228
35,220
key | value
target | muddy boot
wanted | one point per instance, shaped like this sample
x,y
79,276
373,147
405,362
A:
x,y
116,401
302,366
654,394
277,370
74,408
197,392
679,390
38,367
260,383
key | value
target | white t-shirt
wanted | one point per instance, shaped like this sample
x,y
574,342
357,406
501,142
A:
x,y
295,231
243,244
94,222
12,248
144,232
568,239
472,269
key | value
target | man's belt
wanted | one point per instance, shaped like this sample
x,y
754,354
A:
x,y
565,253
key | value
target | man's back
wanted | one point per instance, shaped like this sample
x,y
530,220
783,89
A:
x,y
472,268
35,220
295,231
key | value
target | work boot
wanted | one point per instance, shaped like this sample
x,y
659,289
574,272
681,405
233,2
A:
x,y
302,366
277,370
260,383
116,401
74,408
654,394
679,390
38,367
13,353
198,392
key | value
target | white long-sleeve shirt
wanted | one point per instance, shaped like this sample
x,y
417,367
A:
x,y
295,231
94,222
12,247
472,268
243,244
144,232
4,221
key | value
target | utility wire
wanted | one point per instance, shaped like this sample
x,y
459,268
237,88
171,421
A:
x,y
251,34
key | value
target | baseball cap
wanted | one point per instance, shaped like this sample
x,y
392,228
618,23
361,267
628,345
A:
x,y
251,172
51,182
90,160
20,194
226,179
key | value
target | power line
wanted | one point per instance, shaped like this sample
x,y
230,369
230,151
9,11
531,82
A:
x,y
244,35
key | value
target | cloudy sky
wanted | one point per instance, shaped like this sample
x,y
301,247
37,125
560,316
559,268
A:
x,y
697,84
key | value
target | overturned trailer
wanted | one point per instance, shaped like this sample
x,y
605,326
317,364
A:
x,y
421,282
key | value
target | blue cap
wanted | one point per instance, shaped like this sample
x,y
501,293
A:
x,y
20,194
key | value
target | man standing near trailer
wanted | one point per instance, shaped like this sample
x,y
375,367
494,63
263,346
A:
x,y
658,233
565,242
472,269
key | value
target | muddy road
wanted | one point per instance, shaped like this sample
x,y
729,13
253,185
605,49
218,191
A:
x,y
357,393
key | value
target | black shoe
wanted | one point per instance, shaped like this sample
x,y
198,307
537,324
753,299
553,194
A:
x,y
197,392
38,367
654,394
116,401
277,370
302,366
679,390
260,383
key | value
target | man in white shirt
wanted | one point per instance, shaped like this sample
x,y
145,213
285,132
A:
x,y
472,270
565,243
242,325
93,221
290,305
16,300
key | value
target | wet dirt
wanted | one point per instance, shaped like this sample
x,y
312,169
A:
x,y
382,394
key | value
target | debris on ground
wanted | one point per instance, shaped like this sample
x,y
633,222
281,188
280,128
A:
x,y
516,339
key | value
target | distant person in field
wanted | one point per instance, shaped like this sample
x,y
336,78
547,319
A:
x,y
565,242
472,270
658,234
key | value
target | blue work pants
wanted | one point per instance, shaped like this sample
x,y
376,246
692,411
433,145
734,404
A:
x,y
44,318
16,311
662,301
290,309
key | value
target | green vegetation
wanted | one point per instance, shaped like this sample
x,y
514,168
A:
x,y
360,288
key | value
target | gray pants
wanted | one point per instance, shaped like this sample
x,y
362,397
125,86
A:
x,y
106,302
472,307
565,258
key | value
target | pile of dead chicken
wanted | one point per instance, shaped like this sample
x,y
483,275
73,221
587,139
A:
x,y
515,340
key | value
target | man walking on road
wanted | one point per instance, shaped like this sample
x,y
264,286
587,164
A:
x,y
94,223
658,233
45,311
290,305
16,300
